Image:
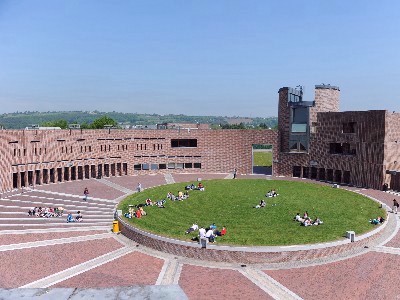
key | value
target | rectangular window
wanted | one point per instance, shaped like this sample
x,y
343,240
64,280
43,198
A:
x,y
145,167
188,165
349,127
197,165
187,143
162,166
137,167
171,166
342,148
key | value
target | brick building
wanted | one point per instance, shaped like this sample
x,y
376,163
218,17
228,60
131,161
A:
x,y
35,157
314,140
317,141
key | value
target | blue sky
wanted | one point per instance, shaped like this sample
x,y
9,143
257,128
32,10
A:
x,y
204,57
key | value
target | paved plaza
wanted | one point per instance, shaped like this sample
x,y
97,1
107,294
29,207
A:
x,y
48,258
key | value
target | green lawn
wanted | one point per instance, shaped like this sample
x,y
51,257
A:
x,y
263,158
230,203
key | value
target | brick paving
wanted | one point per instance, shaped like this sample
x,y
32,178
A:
x,y
370,276
132,269
210,283
356,273
97,189
8,239
27,265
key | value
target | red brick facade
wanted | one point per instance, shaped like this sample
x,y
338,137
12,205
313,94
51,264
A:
x,y
358,148
34,157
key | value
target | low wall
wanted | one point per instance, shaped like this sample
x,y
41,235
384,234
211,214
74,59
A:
x,y
244,255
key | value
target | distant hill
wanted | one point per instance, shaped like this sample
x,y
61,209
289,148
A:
x,y
20,120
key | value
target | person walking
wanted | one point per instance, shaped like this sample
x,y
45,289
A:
x,y
234,173
395,206
139,187
85,194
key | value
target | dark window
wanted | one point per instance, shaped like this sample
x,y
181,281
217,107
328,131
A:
x,y
349,127
342,148
162,166
176,143
188,165
137,167
197,165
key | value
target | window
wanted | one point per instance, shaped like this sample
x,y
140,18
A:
x,y
178,143
137,167
188,165
342,148
349,127
197,165
297,147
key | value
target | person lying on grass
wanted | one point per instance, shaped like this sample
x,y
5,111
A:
x,y
377,220
192,228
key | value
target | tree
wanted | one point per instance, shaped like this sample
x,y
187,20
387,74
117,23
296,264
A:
x,y
63,124
99,123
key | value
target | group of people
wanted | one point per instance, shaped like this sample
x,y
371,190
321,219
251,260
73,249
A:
x,y
46,212
181,196
377,220
271,193
78,218
192,186
306,220
159,203
135,211
209,233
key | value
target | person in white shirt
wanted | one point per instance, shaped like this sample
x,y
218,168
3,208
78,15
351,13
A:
x,y
194,227
202,233
210,235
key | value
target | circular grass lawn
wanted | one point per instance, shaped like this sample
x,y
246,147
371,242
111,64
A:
x,y
230,203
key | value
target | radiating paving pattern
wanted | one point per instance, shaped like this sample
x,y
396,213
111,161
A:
x,y
86,259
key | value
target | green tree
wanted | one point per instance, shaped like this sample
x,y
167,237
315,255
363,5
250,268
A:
x,y
99,123
63,124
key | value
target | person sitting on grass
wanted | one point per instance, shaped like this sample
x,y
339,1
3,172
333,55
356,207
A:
x,y
307,222
298,218
261,204
200,187
192,228
377,221
138,213
142,212
210,235
317,221
160,203
220,233
149,202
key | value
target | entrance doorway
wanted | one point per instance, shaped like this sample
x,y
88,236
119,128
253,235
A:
x,y
262,159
